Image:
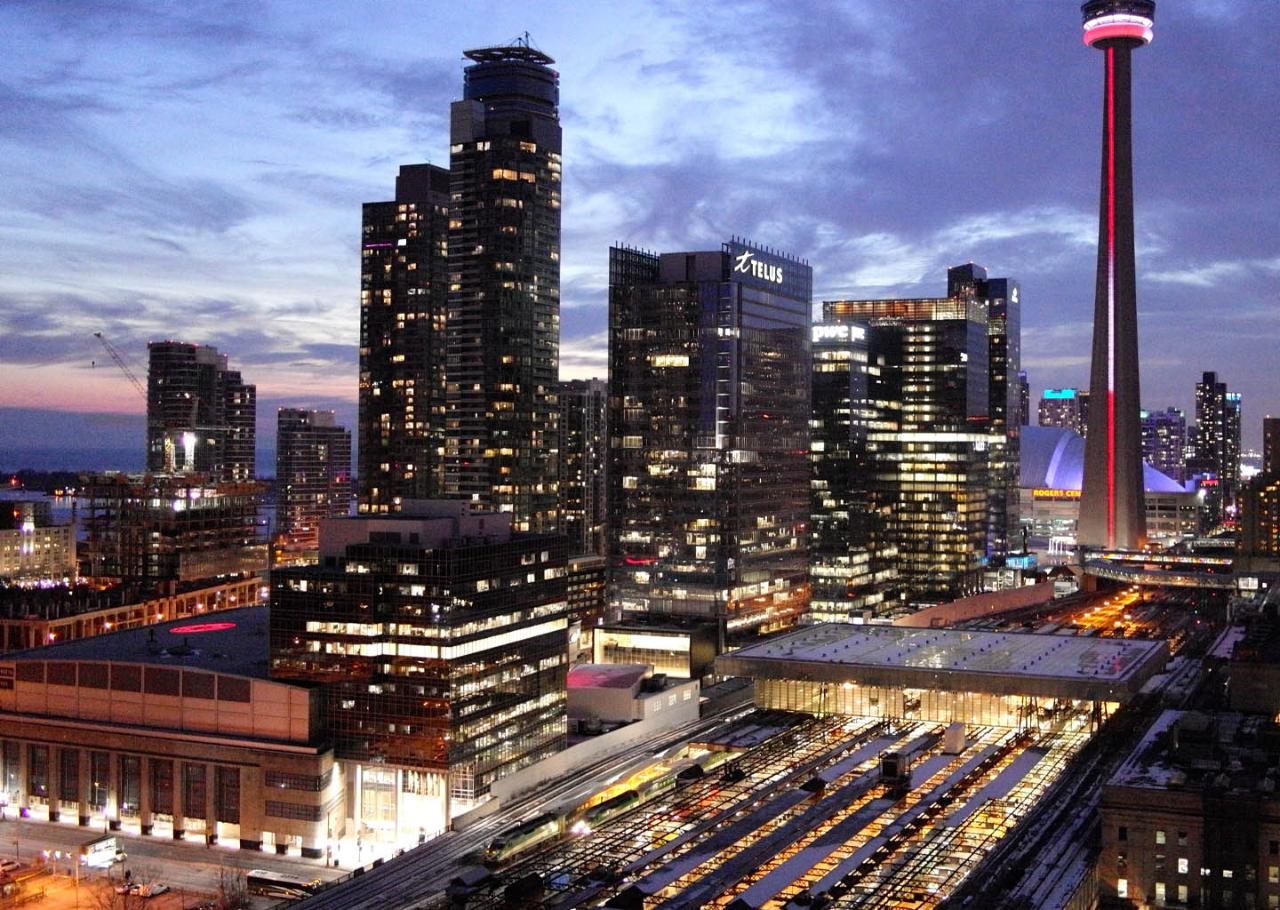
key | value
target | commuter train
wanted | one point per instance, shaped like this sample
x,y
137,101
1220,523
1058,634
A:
x,y
581,818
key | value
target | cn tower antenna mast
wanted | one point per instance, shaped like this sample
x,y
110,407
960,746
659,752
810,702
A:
x,y
1112,506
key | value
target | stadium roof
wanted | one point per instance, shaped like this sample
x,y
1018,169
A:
x,y
1002,663
1053,458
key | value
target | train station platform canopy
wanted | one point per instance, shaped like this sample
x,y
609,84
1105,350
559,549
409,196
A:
x,y
956,660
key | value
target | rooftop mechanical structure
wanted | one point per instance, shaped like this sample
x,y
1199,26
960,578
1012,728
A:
x,y
1111,513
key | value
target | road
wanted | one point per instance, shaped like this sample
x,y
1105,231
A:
x,y
185,867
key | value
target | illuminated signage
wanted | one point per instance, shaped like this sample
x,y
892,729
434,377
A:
x,y
1059,393
747,263
838,333
1044,493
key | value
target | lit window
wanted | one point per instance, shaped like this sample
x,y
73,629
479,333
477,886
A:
x,y
1122,887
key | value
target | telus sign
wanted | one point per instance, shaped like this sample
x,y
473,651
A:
x,y
747,262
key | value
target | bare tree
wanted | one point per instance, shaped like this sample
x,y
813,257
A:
x,y
233,888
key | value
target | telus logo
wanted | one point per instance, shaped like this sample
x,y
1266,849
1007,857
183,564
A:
x,y
747,262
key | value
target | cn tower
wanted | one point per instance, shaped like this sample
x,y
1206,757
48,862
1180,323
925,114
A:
x,y
1112,508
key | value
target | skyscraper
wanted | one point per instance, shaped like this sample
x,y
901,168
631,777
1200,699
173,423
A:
x,y
1024,399
584,453
1111,509
930,472
1002,298
404,281
200,414
852,565
1164,441
1217,441
709,436
313,475
504,286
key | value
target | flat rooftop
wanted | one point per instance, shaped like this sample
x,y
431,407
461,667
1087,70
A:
x,y
1002,663
1224,751
226,641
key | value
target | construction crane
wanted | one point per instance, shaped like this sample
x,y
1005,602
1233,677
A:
x,y
124,367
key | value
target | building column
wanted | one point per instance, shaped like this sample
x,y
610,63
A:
x,y
251,808
113,790
53,779
82,787
179,800
144,795
210,813
20,798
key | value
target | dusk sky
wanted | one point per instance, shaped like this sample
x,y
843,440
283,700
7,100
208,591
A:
x,y
195,171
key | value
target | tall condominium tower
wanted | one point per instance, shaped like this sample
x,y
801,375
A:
x,y
584,453
1111,508
1164,442
313,475
1066,409
403,300
504,286
852,564
200,414
709,436
1217,441
1024,399
1271,446
930,475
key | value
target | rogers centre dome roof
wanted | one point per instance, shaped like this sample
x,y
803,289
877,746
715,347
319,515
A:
x,y
1053,459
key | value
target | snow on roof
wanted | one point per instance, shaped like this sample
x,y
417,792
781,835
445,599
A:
x,y
607,676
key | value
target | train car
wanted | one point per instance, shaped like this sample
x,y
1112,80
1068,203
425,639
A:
x,y
523,836
610,808
698,767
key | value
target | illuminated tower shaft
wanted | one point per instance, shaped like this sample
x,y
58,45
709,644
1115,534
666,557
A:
x,y
1112,510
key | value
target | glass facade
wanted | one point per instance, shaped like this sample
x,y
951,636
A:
x,y
503,322
403,308
708,435
446,654
930,475
852,564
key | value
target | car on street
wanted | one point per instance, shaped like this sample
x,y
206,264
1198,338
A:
x,y
152,889
9,865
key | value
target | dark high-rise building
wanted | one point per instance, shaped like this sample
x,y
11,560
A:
x,y
1002,297
1271,446
584,453
930,475
1164,442
708,436
1111,509
1024,399
1066,409
1217,442
200,414
313,475
404,280
852,565
504,286
441,641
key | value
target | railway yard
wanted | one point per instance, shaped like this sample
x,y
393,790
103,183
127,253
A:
x,y
784,809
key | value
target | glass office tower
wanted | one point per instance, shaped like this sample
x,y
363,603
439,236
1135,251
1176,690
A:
x,y
930,475
442,641
708,436
853,565
504,286
313,476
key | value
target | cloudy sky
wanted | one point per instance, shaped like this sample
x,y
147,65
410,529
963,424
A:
x,y
195,170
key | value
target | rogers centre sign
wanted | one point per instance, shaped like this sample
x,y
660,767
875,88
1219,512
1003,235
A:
x,y
747,262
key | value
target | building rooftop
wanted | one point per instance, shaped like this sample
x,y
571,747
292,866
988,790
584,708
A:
x,y
229,641
999,662
607,676
1189,750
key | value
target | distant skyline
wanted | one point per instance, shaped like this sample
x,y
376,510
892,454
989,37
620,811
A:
x,y
196,172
